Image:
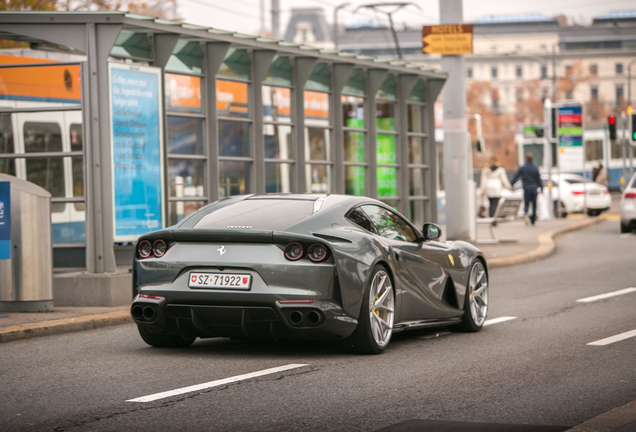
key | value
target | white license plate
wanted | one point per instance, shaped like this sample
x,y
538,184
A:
x,y
220,280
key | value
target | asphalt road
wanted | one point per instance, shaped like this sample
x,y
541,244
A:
x,y
536,369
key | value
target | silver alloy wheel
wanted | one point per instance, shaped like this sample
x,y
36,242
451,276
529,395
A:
x,y
478,292
381,308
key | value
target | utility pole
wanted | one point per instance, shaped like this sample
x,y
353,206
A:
x,y
456,148
275,19
547,148
335,23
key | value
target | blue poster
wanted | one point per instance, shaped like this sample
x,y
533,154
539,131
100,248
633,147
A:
x,y
5,220
135,96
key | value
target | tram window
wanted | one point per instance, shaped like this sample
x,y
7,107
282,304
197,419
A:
x,y
42,137
6,134
7,166
77,139
47,173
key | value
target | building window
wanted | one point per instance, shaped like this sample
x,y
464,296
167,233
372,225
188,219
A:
x,y
619,68
519,72
620,94
493,72
519,94
469,72
594,93
494,97
594,69
544,71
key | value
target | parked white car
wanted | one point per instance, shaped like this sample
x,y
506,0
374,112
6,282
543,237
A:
x,y
628,206
570,194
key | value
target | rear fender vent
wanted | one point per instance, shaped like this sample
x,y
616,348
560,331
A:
x,y
449,297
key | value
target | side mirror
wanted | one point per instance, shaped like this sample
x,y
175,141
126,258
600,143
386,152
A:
x,y
431,231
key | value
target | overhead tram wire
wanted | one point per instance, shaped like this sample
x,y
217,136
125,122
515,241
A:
x,y
222,9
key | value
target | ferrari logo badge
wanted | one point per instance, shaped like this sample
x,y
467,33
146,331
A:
x,y
221,250
450,257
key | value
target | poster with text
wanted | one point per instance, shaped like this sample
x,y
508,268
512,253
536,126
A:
x,y
136,137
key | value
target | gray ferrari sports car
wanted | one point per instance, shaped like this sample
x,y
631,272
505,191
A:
x,y
319,267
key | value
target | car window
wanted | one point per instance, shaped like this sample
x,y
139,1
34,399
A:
x,y
359,218
258,214
389,224
573,180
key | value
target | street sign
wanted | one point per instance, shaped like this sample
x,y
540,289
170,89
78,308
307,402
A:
x,y
447,39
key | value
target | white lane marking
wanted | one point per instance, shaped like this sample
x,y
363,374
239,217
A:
x,y
216,383
613,339
498,320
607,295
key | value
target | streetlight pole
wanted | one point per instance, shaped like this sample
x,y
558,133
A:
x,y
629,82
335,23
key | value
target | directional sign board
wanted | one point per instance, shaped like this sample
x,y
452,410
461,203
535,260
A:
x,y
570,134
447,39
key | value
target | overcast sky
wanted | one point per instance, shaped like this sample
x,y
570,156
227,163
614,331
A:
x,y
244,15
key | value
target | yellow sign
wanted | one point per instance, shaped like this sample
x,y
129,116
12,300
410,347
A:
x,y
448,39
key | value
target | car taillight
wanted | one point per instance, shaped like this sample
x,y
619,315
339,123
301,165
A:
x,y
144,248
294,251
577,192
630,195
146,296
606,190
317,252
159,248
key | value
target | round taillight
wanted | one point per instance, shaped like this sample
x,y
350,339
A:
x,y
294,251
144,248
317,253
159,248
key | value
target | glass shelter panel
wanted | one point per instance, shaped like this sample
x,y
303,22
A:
x,y
237,65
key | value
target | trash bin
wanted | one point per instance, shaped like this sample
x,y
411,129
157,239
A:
x,y
26,258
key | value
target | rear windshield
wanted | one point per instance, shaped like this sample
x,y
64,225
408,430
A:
x,y
258,214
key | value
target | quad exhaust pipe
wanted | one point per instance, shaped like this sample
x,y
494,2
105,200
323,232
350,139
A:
x,y
299,318
145,313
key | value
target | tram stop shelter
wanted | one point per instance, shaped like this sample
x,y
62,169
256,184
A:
x,y
141,121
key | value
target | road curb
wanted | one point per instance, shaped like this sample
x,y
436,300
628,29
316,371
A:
x,y
546,245
64,325
609,421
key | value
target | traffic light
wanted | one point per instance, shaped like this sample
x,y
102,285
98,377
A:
x,y
611,123
632,129
538,132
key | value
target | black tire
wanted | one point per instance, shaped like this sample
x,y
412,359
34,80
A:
x,y
562,213
593,212
469,323
362,341
165,341
625,229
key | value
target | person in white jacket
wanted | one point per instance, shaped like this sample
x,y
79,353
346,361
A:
x,y
493,181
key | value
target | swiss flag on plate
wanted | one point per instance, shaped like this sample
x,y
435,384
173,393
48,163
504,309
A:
x,y
244,281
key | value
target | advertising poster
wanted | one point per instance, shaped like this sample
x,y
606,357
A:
x,y
385,151
136,126
184,93
5,220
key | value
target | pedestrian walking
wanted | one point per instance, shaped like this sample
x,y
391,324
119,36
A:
x,y
493,181
599,174
531,179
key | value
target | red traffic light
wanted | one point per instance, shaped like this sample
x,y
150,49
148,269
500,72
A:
x,y
612,120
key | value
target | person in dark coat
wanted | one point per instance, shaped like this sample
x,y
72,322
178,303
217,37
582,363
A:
x,y
531,179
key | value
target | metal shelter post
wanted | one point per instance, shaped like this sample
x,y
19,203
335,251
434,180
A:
x,y
214,56
405,87
339,78
302,71
261,63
